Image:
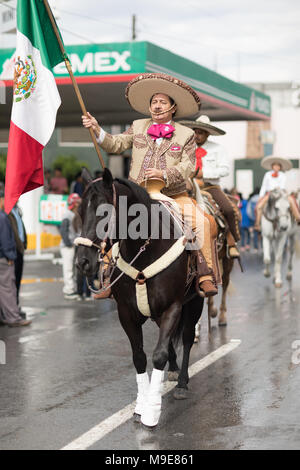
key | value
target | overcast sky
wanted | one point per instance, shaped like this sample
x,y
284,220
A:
x,y
245,40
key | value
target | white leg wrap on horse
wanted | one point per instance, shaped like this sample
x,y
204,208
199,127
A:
x,y
143,383
152,409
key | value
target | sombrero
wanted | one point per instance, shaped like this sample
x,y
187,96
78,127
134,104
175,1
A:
x,y
140,90
267,163
203,122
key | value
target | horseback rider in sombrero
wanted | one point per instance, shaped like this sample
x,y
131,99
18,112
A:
x,y
162,149
212,165
275,178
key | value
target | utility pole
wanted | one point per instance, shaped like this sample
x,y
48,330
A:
x,y
133,30
238,66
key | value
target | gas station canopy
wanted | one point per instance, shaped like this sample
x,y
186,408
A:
x,y
103,71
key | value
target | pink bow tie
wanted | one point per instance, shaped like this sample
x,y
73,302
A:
x,y
157,131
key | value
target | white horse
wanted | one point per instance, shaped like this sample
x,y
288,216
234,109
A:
x,y
276,225
292,243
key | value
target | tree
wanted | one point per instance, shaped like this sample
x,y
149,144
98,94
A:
x,y
2,166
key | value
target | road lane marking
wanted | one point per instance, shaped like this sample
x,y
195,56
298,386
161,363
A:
x,y
99,431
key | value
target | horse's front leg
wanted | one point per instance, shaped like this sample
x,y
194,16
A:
x,y
278,260
168,323
291,254
227,268
267,255
133,329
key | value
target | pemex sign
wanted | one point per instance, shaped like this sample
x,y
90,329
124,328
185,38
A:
x,y
89,60
96,62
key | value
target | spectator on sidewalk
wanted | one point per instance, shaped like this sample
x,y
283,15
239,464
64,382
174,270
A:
x,y
245,226
58,184
251,212
17,225
69,233
9,310
77,185
47,178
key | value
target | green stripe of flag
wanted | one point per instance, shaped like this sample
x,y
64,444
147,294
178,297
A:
x,y
33,21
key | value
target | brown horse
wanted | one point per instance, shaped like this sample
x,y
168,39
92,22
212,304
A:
x,y
224,263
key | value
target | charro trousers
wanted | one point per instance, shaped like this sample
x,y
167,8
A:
x,y
196,219
263,201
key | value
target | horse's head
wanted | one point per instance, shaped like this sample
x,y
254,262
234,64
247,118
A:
x,y
281,208
96,212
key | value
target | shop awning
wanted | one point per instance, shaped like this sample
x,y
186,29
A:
x,y
103,71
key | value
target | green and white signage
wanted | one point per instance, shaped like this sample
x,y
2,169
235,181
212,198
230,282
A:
x,y
52,208
130,58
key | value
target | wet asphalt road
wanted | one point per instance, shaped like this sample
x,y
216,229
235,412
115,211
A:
x,y
72,368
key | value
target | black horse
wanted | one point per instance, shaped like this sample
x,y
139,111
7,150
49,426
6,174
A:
x,y
175,316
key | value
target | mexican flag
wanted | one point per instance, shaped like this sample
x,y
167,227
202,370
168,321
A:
x,y
35,100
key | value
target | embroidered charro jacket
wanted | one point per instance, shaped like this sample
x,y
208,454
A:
x,y
175,155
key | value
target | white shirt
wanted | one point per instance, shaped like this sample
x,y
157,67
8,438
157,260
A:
x,y
269,182
215,164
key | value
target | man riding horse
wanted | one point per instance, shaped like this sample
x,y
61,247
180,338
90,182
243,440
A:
x,y
163,149
275,178
212,166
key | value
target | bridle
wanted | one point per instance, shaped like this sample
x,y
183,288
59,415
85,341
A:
x,y
274,221
111,264
111,224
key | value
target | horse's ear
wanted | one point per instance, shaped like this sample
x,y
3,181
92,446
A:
x,y
86,176
107,178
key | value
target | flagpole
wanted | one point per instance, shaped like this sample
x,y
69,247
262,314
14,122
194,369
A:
x,y
75,85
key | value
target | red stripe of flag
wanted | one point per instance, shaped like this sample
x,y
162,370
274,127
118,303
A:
x,y
24,169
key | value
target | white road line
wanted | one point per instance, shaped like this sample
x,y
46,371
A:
x,y
96,433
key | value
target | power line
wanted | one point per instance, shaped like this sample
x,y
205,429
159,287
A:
x,y
187,40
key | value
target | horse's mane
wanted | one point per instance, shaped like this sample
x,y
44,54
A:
x,y
139,193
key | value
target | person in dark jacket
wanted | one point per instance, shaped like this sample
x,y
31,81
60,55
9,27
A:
x,y
9,310
15,218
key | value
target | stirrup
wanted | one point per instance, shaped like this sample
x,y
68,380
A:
x,y
234,255
210,292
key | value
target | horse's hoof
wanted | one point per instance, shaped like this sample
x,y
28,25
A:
x,y
180,393
222,321
136,418
289,277
278,285
213,313
173,375
267,274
